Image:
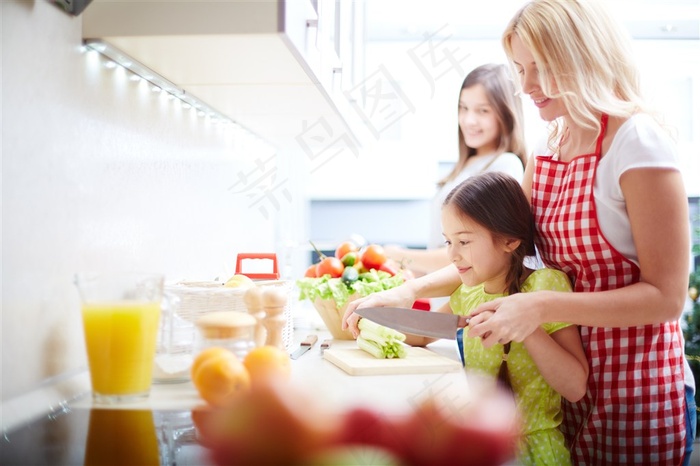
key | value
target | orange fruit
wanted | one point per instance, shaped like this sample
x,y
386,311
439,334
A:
x,y
221,378
214,351
267,362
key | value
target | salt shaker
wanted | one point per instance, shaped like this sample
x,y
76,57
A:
x,y
253,302
274,300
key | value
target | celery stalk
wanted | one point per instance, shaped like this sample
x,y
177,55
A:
x,y
383,332
379,341
370,347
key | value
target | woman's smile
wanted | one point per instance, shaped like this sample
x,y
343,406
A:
x,y
540,103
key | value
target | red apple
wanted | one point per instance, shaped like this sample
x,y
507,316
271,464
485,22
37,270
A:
x,y
433,435
365,426
272,425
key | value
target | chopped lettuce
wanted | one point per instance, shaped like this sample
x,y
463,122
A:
x,y
379,341
336,289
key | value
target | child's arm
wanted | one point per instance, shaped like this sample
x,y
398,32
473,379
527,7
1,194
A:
x,y
437,284
418,340
561,360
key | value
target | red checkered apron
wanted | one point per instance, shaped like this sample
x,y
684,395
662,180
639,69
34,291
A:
x,y
633,411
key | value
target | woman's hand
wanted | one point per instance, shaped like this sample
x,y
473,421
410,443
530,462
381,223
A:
x,y
512,318
401,296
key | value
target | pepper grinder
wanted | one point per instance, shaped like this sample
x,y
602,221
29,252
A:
x,y
253,302
274,300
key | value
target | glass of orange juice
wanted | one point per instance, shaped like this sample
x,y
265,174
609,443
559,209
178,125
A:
x,y
121,313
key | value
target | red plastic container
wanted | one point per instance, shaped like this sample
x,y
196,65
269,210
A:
x,y
273,275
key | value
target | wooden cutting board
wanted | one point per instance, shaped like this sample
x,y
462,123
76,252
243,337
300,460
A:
x,y
354,361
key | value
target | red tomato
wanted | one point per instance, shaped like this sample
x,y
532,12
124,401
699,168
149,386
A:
x,y
373,256
330,266
344,248
390,267
311,271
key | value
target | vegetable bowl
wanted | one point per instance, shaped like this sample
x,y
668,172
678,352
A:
x,y
331,295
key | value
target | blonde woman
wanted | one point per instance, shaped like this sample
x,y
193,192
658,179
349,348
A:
x,y
611,211
490,138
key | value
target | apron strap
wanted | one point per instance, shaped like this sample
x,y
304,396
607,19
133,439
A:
x,y
601,136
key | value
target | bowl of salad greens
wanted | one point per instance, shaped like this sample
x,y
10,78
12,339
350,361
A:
x,y
330,295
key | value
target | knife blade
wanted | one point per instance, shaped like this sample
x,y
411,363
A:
x,y
304,346
429,324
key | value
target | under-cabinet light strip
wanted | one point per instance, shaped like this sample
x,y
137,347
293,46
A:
x,y
161,84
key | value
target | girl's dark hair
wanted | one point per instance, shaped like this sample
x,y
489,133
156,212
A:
x,y
496,201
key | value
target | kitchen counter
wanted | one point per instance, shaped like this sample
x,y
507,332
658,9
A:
x,y
70,433
317,374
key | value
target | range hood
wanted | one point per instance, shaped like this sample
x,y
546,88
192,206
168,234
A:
x,y
260,63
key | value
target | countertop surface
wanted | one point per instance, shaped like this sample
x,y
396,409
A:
x,y
69,434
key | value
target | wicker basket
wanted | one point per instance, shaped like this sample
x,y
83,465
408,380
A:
x,y
200,298
332,315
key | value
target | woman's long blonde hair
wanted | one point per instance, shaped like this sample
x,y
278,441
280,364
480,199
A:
x,y
500,92
579,48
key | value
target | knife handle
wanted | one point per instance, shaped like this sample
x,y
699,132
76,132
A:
x,y
326,344
310,340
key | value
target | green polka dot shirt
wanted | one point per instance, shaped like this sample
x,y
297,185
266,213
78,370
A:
x,y
539,404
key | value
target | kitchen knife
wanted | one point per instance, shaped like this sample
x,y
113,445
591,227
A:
x,y
325,344
304,346
429,324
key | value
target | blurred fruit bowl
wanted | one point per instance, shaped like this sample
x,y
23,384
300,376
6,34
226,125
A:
x,y
282,422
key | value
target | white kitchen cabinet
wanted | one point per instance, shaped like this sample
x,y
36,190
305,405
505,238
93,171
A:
x,y
271,66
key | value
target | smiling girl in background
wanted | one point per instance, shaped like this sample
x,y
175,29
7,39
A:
x,y
490,138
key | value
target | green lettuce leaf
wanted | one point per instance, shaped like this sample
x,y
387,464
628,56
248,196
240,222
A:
x,y
336,289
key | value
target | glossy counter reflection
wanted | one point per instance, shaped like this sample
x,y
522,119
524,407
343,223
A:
x,y
105,437
107,429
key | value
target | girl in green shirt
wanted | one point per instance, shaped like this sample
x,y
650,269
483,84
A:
x,y
489,230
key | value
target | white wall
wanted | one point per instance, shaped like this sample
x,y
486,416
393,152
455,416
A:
x,y
425,131
100,173
402,164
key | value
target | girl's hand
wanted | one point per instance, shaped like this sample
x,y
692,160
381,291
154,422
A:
x,y
512,318
350,322
401,296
